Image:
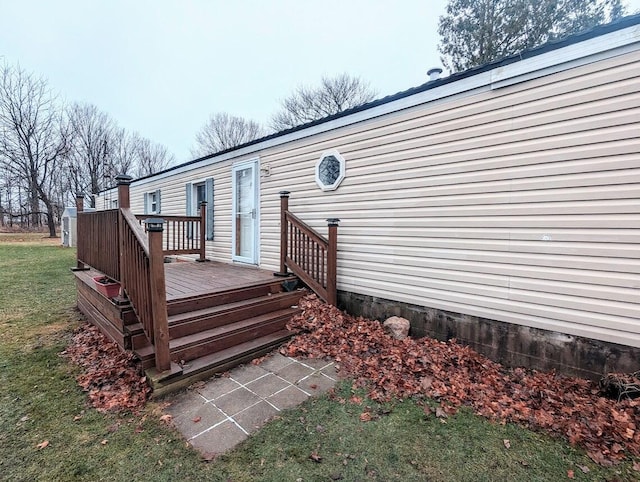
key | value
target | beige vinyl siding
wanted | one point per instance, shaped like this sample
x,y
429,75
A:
x,y
174,201
519,204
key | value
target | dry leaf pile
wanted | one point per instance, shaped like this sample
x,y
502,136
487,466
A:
x,y
111,377
457,375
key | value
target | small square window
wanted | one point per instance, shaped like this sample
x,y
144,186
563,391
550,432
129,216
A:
x,y
330,170
152,202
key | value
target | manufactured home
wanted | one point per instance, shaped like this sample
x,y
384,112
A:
x,y
499,206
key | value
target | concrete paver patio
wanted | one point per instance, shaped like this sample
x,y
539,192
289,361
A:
x,y
216,415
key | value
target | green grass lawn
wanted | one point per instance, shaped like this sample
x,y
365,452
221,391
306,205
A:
x,y
39,400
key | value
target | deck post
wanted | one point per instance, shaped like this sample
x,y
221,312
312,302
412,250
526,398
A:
x,y
284,208
123,203
203,231
79,202
155,226
123,181
80,266
332,262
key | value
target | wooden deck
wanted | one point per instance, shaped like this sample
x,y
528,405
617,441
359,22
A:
x,y
188,279
219,315
185,320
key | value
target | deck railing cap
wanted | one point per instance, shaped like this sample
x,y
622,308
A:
x,y
123,179
333,221
154,224
284,193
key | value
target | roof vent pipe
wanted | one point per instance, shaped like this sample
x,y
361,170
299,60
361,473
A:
x,y
434,73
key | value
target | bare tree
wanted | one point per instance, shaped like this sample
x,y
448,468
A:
x,y
123,152
334,95
89,159
223,131
33,137
474,32
151,158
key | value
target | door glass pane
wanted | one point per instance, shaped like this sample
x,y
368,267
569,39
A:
x,y
245,212
200,196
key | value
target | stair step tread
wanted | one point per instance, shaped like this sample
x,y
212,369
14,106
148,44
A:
x,y
181,305
205,335
145,351
221,309
236,351
134,328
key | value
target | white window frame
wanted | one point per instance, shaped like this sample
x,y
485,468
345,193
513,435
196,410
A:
x,y
343,169
151,203
195,207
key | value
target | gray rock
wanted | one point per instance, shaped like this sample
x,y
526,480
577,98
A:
x,y
397,327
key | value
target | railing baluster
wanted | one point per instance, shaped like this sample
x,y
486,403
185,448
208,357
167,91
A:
x,y
307,254
183,234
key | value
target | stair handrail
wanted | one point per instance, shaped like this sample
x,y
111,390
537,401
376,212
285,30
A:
x,y
308,254
142,274
114,242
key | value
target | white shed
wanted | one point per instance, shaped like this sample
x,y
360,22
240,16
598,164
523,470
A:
x,y
69,221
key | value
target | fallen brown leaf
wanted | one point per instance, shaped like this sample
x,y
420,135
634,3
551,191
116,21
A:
x,y
315,457
507,443
112,378
196,419
166,418
584,468
570,474
210,456
43,444
365,417
456,375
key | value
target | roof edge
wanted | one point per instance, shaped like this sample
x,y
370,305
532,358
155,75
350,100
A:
x,y
593,32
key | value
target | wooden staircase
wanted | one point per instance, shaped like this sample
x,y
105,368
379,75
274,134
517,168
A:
x,y
208,332
213,332
185,323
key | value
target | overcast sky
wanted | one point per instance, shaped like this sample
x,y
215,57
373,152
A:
x,y
161,67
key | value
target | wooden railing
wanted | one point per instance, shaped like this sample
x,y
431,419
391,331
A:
x,y
115,243
308,255
182,234
142,278
98,241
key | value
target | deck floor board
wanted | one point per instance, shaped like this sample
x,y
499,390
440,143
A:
x,y
192,279
189,279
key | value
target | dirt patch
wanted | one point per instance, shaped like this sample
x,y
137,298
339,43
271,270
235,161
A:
x,y
28,238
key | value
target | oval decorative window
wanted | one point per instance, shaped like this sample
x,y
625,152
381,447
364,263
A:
x,y
330,170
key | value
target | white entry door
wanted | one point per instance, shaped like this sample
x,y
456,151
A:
x,y
245,212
